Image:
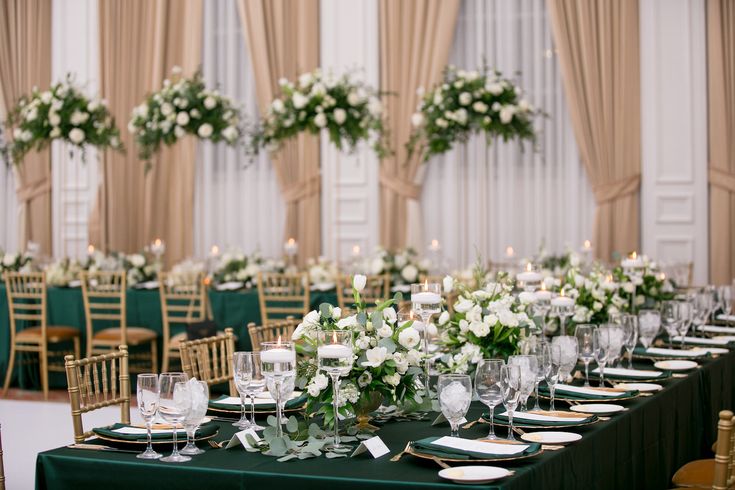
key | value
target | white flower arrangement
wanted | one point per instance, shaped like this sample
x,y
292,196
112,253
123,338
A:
x,y
236,266
63,272
404,266
15,262
186,273
184,106
63,112
138,267
346,108
322,271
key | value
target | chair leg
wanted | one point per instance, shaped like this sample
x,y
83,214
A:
x,y
76,348
164,363
9,374
154,356
43,361
90,344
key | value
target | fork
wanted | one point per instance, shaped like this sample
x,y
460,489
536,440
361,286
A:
x,y
398,456
216,445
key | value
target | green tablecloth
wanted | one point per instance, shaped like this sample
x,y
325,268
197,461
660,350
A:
x,y
640,448
65,307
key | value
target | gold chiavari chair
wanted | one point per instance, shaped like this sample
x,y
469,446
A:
x,y
181,305
271,332
717,473
282,295
92,385
2,465
377,288
104,295
210,359
26,293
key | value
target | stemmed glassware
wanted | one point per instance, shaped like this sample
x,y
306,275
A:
x,y
583,333
487,387
335,356
725,295
551,357
199,402
568,350
686,315
630,334
649,324
278,365
426,300
249,382
148,394
562,307
455,394
542,306
510,382
702,305
540,350
600,343
529,366
173,407
670,318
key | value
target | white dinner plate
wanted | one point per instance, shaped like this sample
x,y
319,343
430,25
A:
x,y
551,437
713,350
474,475
676,365
643,387
597,408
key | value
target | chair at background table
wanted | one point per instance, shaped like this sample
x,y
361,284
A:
x,y
271,332
104,295
27,307
377,288
181,304
282,295
717,473
210,359
2,466
94,385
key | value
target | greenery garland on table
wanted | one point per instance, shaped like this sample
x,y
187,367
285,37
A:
x,y
469,102
63,113
184,106
348,109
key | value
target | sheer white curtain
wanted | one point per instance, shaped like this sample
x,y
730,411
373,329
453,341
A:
x,y
8,209
236,203
485,199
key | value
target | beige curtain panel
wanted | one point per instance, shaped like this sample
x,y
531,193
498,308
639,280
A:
x,y
25,62
598,49
140,42
721,93
415,39
283,38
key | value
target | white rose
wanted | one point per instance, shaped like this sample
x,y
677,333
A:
x,y
313,390
408,338
179,132
277,105
362,342
375,356
93,105
393,379
320,120
46,97
417,119
54,119
167,109
299,100
205,130
463,305
55,132
131,128
210,103
336,313
442,123
480,107
448,284
137,260
413,357
358,282
495,88
340,115
182,118
506,114
9,259
353,98
350,321
465,98
365,379
410,273
76,136
389,314
523,105
385,331
230,133
375,107
628,287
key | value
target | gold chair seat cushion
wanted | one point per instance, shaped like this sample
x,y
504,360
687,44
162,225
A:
x,y
695,474
136,335
53,333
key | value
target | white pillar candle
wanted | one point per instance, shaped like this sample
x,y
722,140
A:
x,y
529,276
291,247
334,351
543,295
278,355
562,301
426,298
632,261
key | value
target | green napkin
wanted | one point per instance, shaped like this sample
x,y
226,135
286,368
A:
x,y
539,423
203,431
295,403
425,446
544,390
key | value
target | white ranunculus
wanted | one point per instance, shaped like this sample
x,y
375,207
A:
x,y
465,98
299,100
167,109
385,331
353,99
54,119
410,273
377,265
205,130
463,305
480,107
320,120
375,356
76,136
417,119
230,133
479,328
506,114
448,284
182,118
340,115
195,114
409,337
358,282
9,259
277,106
137,260
55,132
179,132
210,102
392,379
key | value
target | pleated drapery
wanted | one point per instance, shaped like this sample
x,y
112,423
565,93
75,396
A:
x,y
415,40
25,62
283,39
598,47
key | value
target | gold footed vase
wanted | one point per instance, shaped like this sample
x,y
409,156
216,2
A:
x,y
367,404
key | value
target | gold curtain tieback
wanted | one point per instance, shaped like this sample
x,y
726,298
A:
x,y
29,192
611,191
722,179
402,187
303,189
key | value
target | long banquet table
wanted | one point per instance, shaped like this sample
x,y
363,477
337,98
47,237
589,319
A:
x,y
639,448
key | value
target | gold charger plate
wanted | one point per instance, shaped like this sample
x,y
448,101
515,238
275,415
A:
x,y
443,461
154,441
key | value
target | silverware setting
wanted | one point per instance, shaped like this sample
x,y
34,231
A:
x,y
98,447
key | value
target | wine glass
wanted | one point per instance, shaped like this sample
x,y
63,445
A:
x,y
256,385
278,365
562,307
568,350
487,387
725,295
583,333
148,393
670,318
538,351
528,365
426,300
455,394
630,334
702,304
600,343
649,324
551,356
249,382
174,409
686,316
199,400
335,356
510,383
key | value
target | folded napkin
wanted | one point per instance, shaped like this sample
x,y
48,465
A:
x,y
580,393
716,329
137,434
233,403
621,373
457,448
700,341
727,318
230,286
540,420
668,353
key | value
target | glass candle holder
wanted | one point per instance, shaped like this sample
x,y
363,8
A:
x,y
335,356
278,364
426,300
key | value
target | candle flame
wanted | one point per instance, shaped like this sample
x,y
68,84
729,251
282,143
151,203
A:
x,y
207,281
426,284
157,242
609,278
543,286
528,267
291,241
587,244
215,250
334,337
279,341
633,255
561,293
90,249
509,251
435,243
410,315
356,250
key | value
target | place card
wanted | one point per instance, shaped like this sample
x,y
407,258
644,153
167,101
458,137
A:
x,y
239,439
481,447
375,446
442,419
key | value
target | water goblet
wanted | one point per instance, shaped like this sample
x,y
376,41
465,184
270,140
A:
x,y
725,295
173,407
551,356
538,351
630,334
455,394
249,382
568,349
601,342
426,300
528,365
583,333
649,324
278,365
148,394
562,307
510,382
487,387
670,318
335,356
686,316
199,400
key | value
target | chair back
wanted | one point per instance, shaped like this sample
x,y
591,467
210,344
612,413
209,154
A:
x,y
26,293
725,445
210,359
377,288
282,295
97,382
270,333
2,466
104,294
182,303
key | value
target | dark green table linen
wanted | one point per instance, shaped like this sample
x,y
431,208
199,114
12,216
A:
x,y
426,446
109,432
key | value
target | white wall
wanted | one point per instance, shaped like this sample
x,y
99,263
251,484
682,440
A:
x,y
674,132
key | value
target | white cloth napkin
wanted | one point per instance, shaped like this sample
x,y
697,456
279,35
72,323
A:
x,y
585,391
673,352
697,340
232,285
234,400
630,373
479,446
543,418
143,431
727,318
717,329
